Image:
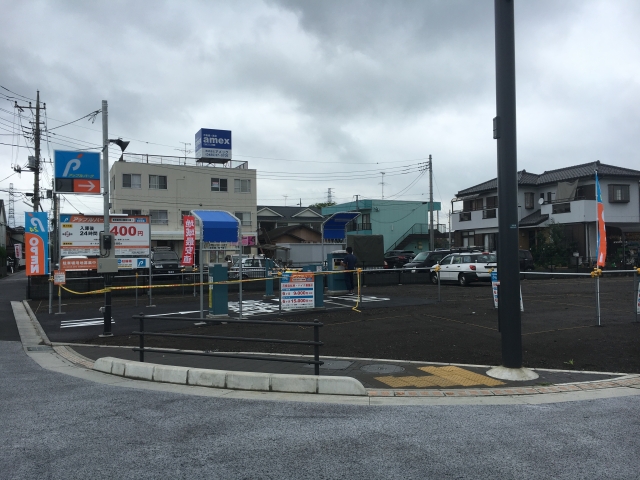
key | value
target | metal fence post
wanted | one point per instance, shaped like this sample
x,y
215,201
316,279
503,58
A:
x,y
142,337
51,294
316,347
598,298
439,299
636,293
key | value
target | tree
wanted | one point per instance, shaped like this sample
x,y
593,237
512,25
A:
x,y
551,247
322,204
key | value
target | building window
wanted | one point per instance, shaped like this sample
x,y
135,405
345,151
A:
x,y
113,183
242,186
159,217
489,213
182,215
492,202
465,216
618,193
157,182
549,197
586,192
218,184
468,238
131,180
528,200
132,212
244,217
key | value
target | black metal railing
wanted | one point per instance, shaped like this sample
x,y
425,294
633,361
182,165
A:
x,y
316,343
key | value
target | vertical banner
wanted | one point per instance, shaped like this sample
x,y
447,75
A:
x,y
601,243
36,239
188,251
18,251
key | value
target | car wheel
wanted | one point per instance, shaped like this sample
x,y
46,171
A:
x,y
434,278
462,281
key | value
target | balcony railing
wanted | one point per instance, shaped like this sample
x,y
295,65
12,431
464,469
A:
x,y
489,213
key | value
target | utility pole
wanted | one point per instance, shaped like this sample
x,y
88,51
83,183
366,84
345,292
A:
x,y
56,233
432,235
357,205
36,141
329,195
185,150
12,216
382,183
504,131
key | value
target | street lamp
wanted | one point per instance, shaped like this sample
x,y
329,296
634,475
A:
x,y
123,146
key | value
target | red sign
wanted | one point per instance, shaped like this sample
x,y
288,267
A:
x,y
18,250
189,249
86,186
34,254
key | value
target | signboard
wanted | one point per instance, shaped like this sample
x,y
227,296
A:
x,y
132,263
495,283
18,251
249,241
77,172
59,277
78,264
213,144
79,234
36,240
297,290
189,249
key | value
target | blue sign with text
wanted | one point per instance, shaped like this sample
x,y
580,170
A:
x,y
213,144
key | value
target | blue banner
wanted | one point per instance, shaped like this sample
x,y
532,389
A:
x,y
36,239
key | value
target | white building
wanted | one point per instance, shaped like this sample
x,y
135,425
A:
x,y
166,188
565,196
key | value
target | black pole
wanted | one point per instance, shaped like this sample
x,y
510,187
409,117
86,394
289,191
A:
x,y
316,347
106,330
504,130
142,337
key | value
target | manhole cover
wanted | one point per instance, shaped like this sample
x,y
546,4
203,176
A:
x,y
333,365
382,368
39,348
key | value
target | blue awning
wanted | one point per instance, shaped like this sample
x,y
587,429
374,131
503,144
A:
x,y
218,226
335,226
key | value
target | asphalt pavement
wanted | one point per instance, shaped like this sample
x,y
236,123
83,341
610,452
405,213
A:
x,y
63,421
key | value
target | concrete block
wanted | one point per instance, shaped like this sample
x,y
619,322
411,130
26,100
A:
x,y
248,381
117,366
293,383
340,386
139,370
103,364
206,378
170,374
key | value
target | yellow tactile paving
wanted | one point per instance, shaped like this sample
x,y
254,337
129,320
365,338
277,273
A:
x,y
448,376
461,376
426,381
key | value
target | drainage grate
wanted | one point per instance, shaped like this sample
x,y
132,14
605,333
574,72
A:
x,y
333,364
381,368
40,348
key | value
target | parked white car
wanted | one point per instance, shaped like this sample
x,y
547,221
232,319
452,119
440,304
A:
x,y
465,268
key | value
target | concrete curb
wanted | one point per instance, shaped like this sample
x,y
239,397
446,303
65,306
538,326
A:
x,y
259,382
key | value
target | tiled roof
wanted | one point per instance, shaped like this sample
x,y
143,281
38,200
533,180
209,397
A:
x,y
535,218
288,213
553,176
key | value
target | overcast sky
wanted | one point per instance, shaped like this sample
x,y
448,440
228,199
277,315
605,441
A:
x,y
324,94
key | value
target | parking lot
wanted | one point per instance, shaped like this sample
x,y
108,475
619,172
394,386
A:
x,y
403,322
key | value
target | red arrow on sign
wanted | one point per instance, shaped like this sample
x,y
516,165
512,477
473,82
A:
x,y
86,186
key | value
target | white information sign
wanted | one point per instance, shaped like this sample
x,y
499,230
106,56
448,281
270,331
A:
x,y
79,234
297,290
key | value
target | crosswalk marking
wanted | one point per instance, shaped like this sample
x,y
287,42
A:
x,y
87,322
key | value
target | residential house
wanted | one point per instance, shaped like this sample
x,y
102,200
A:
x,y
272,217
565,196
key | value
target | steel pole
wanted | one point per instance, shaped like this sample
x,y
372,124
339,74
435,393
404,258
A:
x,y
106,330
505,133
432,236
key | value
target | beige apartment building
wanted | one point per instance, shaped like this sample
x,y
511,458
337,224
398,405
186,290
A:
x,y
167,188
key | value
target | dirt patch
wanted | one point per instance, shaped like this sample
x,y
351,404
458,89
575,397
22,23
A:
x,y
558,328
